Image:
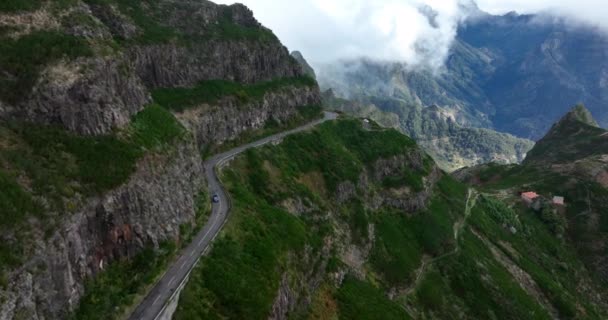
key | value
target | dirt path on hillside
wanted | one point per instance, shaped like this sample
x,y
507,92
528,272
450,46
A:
x,y
472,197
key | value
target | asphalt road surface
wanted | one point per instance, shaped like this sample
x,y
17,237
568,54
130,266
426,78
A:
x,y
154,303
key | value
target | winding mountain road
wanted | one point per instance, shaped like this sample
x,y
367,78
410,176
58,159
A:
x,y
177,274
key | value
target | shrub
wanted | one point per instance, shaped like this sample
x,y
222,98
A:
x,y
211,91
15,204
154,127
361,300
111,290
10,6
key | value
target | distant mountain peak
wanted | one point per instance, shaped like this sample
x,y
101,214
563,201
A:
x,y
304,64
576,136
581,114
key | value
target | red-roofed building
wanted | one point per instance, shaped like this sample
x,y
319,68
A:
x,y
529,197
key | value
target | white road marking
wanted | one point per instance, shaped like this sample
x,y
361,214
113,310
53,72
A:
x,y
156,300
171,281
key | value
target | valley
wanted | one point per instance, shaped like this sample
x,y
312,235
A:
x,y
172,159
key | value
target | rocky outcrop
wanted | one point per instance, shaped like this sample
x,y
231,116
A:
x,y
230,118
89,97
145,211
295,289
168,65
404,199
305,66
98,94
95,96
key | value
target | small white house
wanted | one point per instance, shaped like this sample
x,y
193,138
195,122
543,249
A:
x,y
558,201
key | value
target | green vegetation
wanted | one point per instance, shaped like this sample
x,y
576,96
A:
x,y
54,158
149,17
304,115
155,127
408,178
574,137
22,59
402,240
10,6
203,210
209,92
241,276
51,163
226,29
110,291
450,145
98,163
15,204
470,275
360,300
19,6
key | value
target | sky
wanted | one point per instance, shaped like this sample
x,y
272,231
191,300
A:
x,y
393,30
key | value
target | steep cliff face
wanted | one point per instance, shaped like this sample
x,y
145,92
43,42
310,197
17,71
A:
x,y
172,65
90,97
145,211
229,118
128,49
96,171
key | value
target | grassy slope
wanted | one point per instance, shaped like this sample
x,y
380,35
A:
x,y
240,278
556,264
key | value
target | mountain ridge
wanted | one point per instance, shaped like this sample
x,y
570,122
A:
x,y
519,85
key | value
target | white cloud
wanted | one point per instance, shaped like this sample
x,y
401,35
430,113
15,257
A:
x,y
396,30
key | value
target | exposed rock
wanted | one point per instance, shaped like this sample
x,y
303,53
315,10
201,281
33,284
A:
x,y
284,302
146,210
168,65
295,290
305,66
89,97
227,120
345,191
27,22
119,25
298,206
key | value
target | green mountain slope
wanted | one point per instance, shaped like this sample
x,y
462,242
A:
x,y
576,136
451,145
107,110
572,162
351,221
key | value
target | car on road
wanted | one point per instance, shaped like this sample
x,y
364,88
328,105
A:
x,y
215,198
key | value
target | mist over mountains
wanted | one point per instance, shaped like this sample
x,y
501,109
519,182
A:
x,y
513,73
